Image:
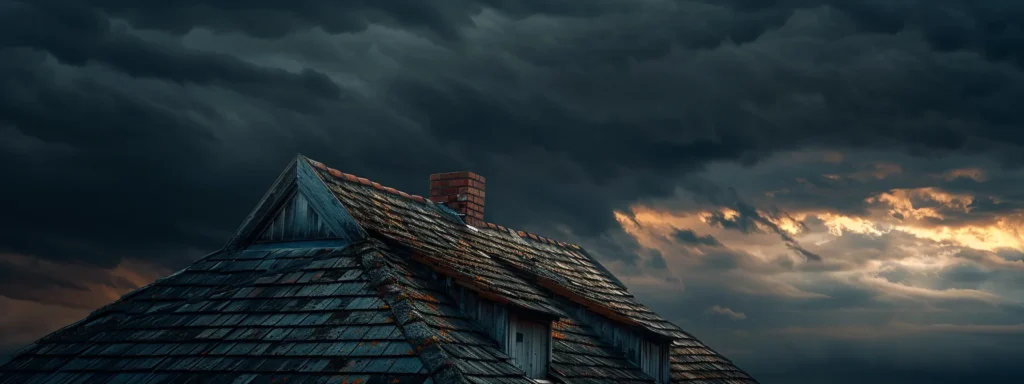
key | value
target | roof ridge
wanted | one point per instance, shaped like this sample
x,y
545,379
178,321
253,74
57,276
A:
x,y
420,199
364,181
413,325
532,236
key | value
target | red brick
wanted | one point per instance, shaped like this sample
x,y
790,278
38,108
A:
x,y
455,175
461,191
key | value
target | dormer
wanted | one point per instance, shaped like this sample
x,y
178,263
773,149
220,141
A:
x,y
524,335
645,349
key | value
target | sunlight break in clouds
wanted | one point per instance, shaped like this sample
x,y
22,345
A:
x,y
930,222
975,174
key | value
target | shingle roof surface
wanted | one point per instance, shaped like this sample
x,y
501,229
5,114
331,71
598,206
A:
x,y
249,316
580,357
491,256
371,312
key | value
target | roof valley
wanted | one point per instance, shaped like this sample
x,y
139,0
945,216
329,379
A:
x,y
408,320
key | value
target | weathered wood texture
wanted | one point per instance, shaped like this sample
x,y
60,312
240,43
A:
x,y
296,220
490,316
647,352
529,343
281,189
335,215
297,190
526,339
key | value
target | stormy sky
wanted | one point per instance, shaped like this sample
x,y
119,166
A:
x,y
823,191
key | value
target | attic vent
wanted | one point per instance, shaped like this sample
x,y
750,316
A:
x,y
462,192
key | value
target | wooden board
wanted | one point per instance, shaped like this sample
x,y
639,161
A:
x,y
529,345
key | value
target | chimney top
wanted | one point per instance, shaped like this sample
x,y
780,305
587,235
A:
x,y
463,192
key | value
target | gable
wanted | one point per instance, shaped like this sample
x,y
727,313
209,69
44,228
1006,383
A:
x,y
296,220
297,207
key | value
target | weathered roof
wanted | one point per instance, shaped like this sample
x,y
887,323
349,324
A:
x,y
367,312
579,356
490,255
295,314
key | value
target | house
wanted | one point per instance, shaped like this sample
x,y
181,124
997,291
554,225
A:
x,y
336,279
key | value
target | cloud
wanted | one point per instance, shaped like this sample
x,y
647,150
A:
x,y
739,140
901,329
601,84
72,285
23,321
727,312
690,237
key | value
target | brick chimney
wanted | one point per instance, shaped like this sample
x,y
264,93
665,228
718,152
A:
x,y
462,192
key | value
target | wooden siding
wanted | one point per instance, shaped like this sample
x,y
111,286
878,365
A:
x,y
526,339
492,317
296,220
529,344
297,177
650,354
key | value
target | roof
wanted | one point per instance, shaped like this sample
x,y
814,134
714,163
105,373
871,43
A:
x,y
363,312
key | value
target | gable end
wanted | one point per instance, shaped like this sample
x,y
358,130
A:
x,y
298,207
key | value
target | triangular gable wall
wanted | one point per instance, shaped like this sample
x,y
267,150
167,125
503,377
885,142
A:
x,y
296,220
297,207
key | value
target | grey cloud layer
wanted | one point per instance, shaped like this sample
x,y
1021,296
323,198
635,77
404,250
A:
x,y
140,131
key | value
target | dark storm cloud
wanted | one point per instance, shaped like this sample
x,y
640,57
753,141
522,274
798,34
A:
x,y
143,130
687,236
655,260
597,118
